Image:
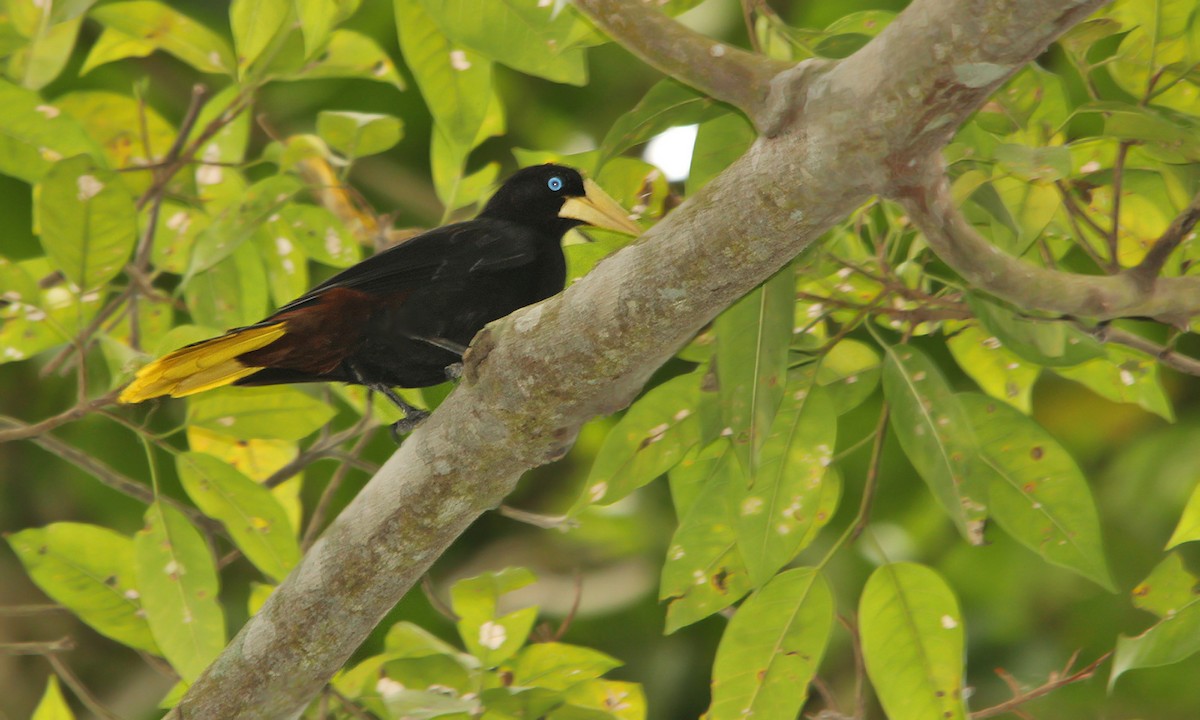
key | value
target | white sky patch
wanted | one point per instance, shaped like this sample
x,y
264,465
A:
x,y
671,150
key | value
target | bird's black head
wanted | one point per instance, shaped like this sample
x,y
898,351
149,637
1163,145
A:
x,y
554,199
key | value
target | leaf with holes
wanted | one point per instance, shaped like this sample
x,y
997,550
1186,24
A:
x,y
752,359
90,571
773,518
771,649
649,440
937,436
177,577
1039,495
254,518
87,219
704,572
912,643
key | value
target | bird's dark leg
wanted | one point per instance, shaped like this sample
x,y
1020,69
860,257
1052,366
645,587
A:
x,y
412,416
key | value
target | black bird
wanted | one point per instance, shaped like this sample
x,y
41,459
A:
x,y
404,317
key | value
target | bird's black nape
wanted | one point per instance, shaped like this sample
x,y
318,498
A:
x,y
533,196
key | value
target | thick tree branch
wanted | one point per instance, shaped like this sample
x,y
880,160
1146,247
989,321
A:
x,y
725,72
532,379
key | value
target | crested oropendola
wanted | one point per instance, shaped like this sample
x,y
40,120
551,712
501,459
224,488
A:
x,y
404,317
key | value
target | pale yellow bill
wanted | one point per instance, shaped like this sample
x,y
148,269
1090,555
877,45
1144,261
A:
x,y
598,209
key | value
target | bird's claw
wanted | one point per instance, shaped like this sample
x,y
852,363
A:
x,y
454,371
408,423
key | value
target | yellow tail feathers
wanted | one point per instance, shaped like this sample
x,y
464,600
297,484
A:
x,y
202,366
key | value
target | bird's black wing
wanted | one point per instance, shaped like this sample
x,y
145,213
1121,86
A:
x,y
450,253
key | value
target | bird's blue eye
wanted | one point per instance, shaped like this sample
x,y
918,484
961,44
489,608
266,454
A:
x,y
555,183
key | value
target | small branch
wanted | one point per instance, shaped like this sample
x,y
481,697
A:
x,y
319,450
1176,232
317,521
1163,354
929,203
115,480
81,691
1056,681
1114,228
18,430
864,509
65,644
546,522
721,71
30,610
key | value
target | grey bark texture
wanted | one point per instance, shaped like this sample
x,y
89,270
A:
x,y
833,134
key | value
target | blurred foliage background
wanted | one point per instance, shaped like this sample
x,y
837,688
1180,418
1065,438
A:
x,y
1022,615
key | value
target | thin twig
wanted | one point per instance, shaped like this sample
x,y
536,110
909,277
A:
x,y
546,522
119,482
864,509
1176,233
1165,355
317,521
435,601
1118,179
352,707
18,430
85,696
30,610
1054,682
860,667
319,450
65,644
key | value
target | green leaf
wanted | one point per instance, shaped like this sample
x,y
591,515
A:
x,y
912,642
405,639
254,518
259,412
35,134
719,142
936,434
455,187
169,30
667,104
490,638
850,370
455,82
526,36
999,372
1167,588
356,134
752,358
33,319
649,440
285,262
558,666
1039,495
255,23
704,572
37,64
237,224
232,293
1126,376
1052,343
774,516
53,706
89,570
319,233
350,54
318,18
114,45
772,648
123,127
177,577
1170,640
1188,529
620,700
87,220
